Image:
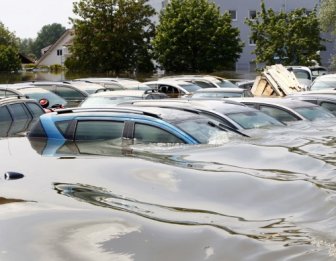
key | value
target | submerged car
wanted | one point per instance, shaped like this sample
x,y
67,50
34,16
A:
x,y
110,98
221,93
235,116
17,115
47,99
74,94
324,82
287,110
173,88
131,125
116,83
204,81
324,100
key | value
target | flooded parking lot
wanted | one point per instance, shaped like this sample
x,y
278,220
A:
x,y
268,197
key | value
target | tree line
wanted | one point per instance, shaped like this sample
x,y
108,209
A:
x,y
191,36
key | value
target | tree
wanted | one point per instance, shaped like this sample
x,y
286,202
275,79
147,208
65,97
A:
x,y
193,36
289,38
48,35
26,47
111,36
327,18
9,52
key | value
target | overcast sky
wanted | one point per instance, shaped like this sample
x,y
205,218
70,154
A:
x,y
26,17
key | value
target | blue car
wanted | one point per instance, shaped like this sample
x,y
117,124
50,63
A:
x,y
131,125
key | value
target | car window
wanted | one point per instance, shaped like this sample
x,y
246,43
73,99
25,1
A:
x,y
203,84
253,119
144,133
38,131
69,93
190,87
323,84
7,93
314,113
248,93
329,106
99,130
35,109
201,130
19,112
38,93
4,114
279,114
225,84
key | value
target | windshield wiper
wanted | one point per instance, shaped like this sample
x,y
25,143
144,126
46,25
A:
x,y
226,128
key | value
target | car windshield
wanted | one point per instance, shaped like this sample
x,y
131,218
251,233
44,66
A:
x,y
253,119
301,74
106,101
324,84
202,131
226,84
39,93
314,113
190,87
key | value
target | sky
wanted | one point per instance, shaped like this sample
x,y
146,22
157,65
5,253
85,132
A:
x,y
26,18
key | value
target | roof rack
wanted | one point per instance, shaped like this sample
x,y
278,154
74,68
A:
x,y
73,110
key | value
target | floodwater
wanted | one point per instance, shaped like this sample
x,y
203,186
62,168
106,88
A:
x,y
268,197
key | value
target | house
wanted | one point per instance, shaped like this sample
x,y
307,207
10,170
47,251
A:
x,y
58,52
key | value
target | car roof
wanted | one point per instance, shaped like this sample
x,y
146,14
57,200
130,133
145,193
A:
x,y
289,103
7,100
205,104
119,93
156,112
221,90
174,82
330,97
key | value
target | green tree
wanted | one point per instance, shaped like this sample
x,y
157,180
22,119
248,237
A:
x,y
327,18
48,35
111,36
26,47
9,51
193,36
289,38
327,15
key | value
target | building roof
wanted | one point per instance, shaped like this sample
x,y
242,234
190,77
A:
x,y
56,44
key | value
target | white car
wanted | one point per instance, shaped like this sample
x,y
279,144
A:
x,y
173,88
204,81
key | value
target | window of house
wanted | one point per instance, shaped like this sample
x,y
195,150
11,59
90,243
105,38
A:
x,y
252,14
59,52
251,41
233,14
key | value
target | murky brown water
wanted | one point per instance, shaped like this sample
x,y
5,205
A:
x,y
270,197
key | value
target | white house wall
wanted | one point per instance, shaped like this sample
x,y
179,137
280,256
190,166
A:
x,y
53,58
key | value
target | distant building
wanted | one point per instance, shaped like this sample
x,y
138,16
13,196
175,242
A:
x,y
242,9
58,52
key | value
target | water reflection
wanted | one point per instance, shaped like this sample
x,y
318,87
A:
x,y
274,229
